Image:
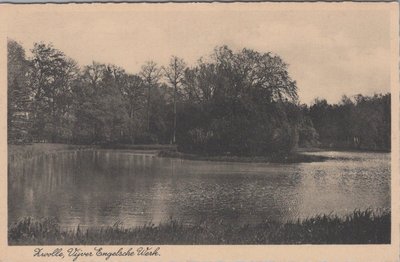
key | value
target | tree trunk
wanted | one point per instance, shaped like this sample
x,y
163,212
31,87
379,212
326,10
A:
x,y
174,131
148,109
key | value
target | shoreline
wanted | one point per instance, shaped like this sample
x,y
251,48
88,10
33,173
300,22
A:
x,y
359,227
22,152
281,159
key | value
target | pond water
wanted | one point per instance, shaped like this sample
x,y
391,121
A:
x,y
102,187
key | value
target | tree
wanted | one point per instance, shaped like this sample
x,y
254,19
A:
x,y
151,74
93,74
361,122
371,122
244,101
51,77
174,74
19,95
133,94
100,109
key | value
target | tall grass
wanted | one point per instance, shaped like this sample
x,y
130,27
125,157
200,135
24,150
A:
x,y
360,227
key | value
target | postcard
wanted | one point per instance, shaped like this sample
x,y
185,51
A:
x,y
199,132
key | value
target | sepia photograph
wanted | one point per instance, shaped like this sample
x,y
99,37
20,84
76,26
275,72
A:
x,y
200,124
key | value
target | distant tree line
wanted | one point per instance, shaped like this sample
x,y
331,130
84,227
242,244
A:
x,y
363,122
242,103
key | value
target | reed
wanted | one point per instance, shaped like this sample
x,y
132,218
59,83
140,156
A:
x,y
359,227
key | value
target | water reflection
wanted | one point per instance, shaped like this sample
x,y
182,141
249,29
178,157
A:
x,y
100,187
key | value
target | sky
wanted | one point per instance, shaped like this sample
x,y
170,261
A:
x,y
331,50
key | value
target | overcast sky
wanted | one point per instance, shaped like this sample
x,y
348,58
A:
x,y
329,52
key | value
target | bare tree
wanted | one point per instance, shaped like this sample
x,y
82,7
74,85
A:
x,y
174,74
94,74
151,75
132,91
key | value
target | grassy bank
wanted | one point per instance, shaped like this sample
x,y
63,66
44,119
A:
x,y
360,227
291,158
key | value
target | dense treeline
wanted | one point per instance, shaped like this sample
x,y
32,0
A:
x,y
359,123
242,103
